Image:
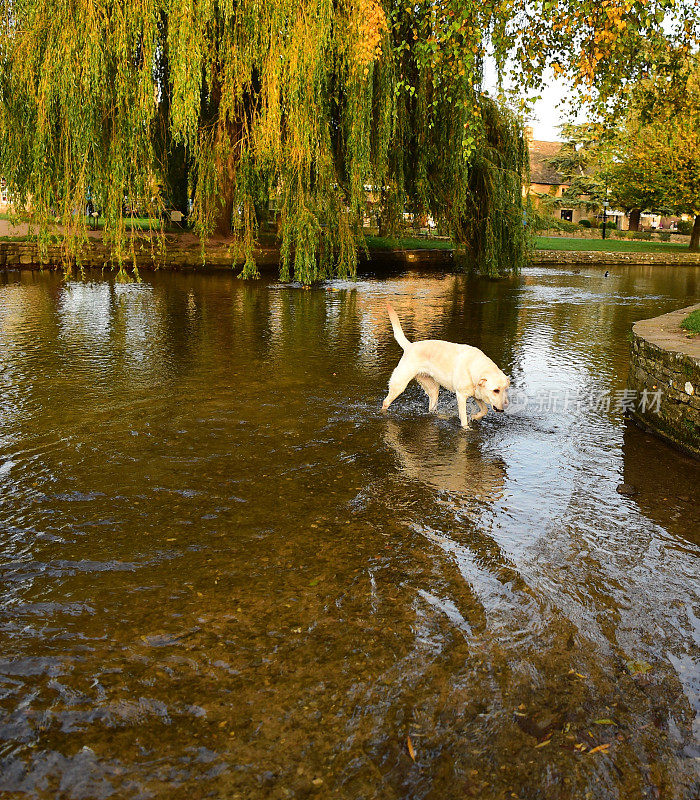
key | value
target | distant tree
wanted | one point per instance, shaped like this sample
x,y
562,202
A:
x,y
657,148
582,162
589,162
636,175
648,160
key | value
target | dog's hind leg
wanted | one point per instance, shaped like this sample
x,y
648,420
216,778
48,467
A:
x,y
402,375
431,388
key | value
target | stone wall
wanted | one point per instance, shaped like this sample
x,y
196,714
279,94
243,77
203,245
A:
x,y
666,360
95,255
179,255
595,258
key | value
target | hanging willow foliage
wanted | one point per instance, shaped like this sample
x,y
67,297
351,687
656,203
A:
x,y
310,103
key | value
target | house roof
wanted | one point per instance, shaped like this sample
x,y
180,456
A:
x,y
540,171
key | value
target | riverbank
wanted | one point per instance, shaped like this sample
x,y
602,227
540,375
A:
x,y
665,363
180,253
185,252
567,258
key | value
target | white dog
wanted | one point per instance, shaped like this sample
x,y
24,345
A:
x,y
462,369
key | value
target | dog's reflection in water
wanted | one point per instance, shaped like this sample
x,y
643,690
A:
x,y
445,460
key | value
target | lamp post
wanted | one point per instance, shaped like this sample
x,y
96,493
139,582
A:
x,y
606,205
605,217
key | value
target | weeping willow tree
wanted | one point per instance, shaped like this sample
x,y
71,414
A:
x,y
311,103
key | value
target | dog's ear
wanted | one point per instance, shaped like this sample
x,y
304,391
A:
x,y
482,382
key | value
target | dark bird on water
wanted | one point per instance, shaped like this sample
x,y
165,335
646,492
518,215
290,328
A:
x,y
607,274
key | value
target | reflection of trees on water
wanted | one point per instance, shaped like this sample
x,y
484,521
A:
x,y
452,307
255,321
27,318
141,325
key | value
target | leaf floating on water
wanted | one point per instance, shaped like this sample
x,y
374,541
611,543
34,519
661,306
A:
x,y
411,751
542,744
600,749
604,722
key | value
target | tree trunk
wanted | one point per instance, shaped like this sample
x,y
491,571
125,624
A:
x,y
226,167
177,178
635,214
222,227
384,225
174,157
695,235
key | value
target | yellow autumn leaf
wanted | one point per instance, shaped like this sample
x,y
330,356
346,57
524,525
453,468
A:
x,y
411,751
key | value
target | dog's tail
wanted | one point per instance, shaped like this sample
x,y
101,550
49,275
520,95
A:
x,y
396,325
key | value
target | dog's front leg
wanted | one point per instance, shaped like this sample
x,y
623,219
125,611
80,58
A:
x,y
462,408
484,409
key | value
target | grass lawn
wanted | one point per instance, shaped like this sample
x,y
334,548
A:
x,y
541,243
130,223
608,246
135,223
692,322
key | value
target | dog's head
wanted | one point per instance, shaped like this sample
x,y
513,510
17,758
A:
x,y
493,389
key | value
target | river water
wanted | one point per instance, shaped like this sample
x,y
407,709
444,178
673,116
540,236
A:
x,y
226,573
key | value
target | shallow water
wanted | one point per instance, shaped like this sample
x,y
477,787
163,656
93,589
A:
x,y
226,573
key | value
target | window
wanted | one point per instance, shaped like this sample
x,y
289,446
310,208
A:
x,y
567,214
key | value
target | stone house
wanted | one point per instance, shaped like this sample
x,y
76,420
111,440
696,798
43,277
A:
x,y
546,182
4,198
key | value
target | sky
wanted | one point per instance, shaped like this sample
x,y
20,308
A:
x,y
548,112
546,116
